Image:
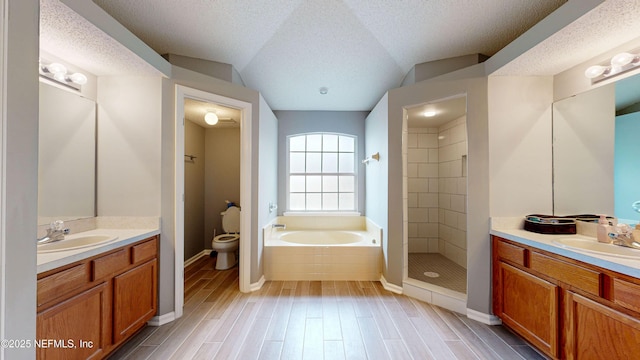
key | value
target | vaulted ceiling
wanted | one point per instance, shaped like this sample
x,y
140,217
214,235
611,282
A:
x,y
358,49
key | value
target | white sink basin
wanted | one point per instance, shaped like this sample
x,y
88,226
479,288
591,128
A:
x,y
592,246
76,242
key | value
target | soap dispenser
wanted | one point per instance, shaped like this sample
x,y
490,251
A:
x,y
603,230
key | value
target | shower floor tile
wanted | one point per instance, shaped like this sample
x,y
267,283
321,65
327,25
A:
x,y
450,275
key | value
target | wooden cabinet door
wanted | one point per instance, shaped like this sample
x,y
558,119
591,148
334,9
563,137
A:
x,y
134,299
529,305
594,331
77,328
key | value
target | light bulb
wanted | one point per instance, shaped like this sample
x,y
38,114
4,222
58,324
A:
x,y
211,118
78,78
594,71
429,113
56,68
60,77
622,59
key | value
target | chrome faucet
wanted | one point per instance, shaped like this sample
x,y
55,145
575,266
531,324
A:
x,y
55,232
624,236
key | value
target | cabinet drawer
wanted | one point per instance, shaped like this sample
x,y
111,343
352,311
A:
x,y
110,264
512,253
62,283
571,274
626,294
145,251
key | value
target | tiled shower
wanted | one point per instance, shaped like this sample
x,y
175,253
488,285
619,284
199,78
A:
x,y
436,184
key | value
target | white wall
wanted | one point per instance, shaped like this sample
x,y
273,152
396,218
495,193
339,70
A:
x,y
520,145
129,143
377,176
133,175
268,184
19,170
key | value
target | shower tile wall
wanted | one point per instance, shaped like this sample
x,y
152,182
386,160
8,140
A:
x,y
452,186
422,190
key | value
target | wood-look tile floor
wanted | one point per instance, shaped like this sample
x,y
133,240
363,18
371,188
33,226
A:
x,y
314,320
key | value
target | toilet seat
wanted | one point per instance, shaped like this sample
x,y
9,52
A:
x,y
224,238
227,244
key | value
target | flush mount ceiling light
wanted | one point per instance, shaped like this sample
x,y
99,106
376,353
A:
x,y
324,90
429,113
58,73
211,118
619,64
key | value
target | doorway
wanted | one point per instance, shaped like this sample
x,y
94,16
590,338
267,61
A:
x,y
184,94
435,160
212,172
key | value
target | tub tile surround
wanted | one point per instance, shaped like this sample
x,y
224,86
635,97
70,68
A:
x,y
436,190
512,228
342,262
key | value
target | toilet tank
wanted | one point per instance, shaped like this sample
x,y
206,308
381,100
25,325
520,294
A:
x,y
231,220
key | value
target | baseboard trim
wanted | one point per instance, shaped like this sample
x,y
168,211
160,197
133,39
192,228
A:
x,y
390,287
196,257
258,285
483,318
162,319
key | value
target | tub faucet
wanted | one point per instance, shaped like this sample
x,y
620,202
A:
x,y
279,226
55,232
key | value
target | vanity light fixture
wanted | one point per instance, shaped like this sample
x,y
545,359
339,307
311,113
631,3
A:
x,y
619,64
429,113
211,118
58,73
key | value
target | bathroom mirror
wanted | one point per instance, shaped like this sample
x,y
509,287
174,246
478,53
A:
x,y
66,155
595,151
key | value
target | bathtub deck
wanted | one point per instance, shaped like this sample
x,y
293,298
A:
x,y
314,320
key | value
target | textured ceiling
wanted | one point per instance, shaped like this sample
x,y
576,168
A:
x,y
445,110
358,49
611,24
67,35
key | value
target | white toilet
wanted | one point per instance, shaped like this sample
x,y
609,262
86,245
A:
x,y
227,244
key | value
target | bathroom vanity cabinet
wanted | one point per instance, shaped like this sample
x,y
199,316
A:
x,y
566,308
88,308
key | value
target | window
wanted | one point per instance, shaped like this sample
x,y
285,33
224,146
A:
x,y
322,172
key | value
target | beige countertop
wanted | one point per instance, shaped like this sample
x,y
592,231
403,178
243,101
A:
x,y
51,260
513,229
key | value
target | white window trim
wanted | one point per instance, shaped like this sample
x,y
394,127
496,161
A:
x,y
356,211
